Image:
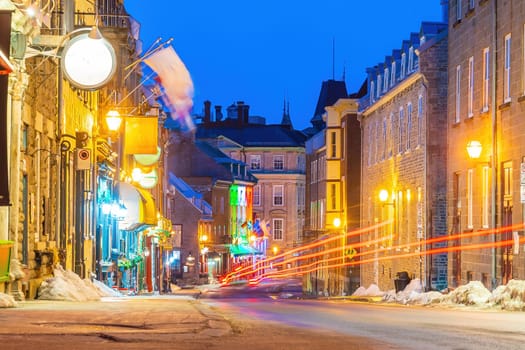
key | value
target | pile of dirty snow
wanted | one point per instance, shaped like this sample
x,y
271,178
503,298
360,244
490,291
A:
x,y
510,297
372,291
474,293
7,301
68,286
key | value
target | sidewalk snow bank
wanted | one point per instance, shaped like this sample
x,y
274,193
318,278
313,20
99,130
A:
x,y
510,297
68,286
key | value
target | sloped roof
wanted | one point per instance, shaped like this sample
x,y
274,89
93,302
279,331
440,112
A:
x,y
331,91
255,135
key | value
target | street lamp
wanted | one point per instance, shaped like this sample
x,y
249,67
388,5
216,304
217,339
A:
x,y
383,198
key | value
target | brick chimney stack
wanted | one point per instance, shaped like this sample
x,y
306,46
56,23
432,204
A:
x,y
218,113
207,112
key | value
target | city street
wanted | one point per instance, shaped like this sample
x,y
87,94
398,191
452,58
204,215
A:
x,y
268,316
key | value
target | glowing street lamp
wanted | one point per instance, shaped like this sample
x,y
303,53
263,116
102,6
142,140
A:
x,y
474,149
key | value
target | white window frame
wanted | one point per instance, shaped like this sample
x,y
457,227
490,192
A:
x,y
278,229
470,179
457,116
419,120
410,59
401,130
471,4
255,161
313,171
278,159
379,85
393,74
384,138
485,196
470,87
506,75
409,125
458,10
278,193
486,82
392,135
256,199
372,87
386,79
403,65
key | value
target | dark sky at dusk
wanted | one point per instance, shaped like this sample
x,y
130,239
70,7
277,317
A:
x,y
262,52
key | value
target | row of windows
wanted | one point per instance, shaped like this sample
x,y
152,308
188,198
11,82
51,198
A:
x,y
394,134
277,195
278,162
389,78
318,170
485,79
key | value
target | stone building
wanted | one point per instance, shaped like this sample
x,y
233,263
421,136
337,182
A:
x,y
485,114
274,154
403,121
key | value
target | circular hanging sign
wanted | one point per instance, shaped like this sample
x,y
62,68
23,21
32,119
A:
x,y
88,63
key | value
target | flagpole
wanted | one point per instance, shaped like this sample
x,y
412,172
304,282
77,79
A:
x,y
148,53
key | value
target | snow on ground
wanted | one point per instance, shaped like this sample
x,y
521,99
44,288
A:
x,y
506,297
68,286
7,301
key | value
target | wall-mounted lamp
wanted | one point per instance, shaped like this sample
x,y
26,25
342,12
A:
x,y
474,149
383,197
113,120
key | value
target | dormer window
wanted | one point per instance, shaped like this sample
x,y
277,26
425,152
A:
x,y
379,85
393,74
372,92
410,59
403,65
385,82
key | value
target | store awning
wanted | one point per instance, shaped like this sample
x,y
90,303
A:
x,y
140,207
241,250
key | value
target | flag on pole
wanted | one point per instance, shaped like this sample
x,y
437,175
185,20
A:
x,y
176,84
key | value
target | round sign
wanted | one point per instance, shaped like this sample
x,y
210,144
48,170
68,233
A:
x,y
83,154
88,63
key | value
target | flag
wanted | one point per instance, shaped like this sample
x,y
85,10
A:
x,y
176,84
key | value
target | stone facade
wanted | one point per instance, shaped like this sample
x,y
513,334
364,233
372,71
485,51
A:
x,y
485,104
404,155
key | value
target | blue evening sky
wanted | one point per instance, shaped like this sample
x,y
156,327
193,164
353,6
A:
x,y
262,52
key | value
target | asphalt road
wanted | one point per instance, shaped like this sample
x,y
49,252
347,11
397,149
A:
x,y
399,326
268,316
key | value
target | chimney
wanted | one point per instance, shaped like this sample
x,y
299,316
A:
x,y
246,114
240,112
218,113
207,112
444,9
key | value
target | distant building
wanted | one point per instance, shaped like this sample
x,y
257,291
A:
x,y
274,154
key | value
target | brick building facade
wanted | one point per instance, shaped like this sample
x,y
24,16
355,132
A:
x,y
403,156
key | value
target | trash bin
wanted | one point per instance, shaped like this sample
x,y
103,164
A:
x,y
5,260
402,280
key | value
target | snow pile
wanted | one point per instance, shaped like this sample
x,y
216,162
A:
x,y
104,290
473,293
510,297
372,291
6,301
68,286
